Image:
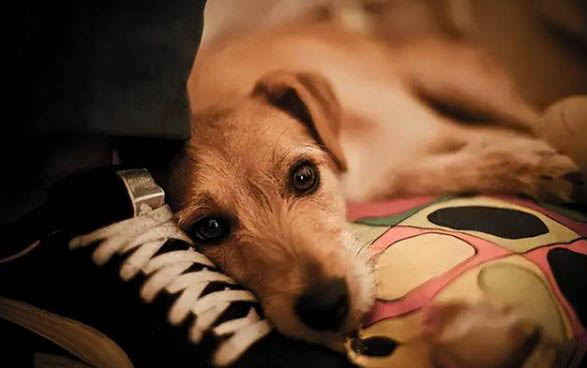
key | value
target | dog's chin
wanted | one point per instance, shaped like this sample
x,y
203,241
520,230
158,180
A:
x,y
334,340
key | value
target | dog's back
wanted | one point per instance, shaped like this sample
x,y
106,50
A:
x,y
408,110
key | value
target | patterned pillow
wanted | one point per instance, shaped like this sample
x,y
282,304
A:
x,y
531,257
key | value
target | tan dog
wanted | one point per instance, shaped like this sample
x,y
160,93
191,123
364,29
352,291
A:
x,y
290,122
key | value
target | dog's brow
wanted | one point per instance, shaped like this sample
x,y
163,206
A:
x,y
292,155
283,158
196,207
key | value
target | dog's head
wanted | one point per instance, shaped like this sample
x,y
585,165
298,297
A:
x,y
259,193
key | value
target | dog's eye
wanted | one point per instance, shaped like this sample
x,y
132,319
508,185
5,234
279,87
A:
x,y
211,229
304,178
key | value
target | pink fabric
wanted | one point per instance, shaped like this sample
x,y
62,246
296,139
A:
x,y
357,211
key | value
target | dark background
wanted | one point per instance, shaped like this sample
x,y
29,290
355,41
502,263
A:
x,y
84,76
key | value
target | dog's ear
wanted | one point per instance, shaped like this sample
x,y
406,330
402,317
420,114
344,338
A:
x,y
309,98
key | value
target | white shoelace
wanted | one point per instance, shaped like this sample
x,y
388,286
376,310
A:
x,y
146,234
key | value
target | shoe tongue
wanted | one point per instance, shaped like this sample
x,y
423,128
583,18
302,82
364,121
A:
x,y
144,193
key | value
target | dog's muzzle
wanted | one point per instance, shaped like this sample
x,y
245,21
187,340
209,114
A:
x,y
324,306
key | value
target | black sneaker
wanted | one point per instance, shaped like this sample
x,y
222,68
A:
x,y
102,276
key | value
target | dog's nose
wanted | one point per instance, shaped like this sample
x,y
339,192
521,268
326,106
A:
x,y
324,306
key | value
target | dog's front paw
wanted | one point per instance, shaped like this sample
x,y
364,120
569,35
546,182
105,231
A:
x,y
554,177
529,166
483,335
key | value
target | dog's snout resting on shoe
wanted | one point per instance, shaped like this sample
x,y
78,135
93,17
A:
x,y
291,122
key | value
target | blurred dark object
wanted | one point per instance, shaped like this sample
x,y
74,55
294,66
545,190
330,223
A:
x,y
82,77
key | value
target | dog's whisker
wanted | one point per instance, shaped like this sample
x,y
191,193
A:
x,y
361,249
